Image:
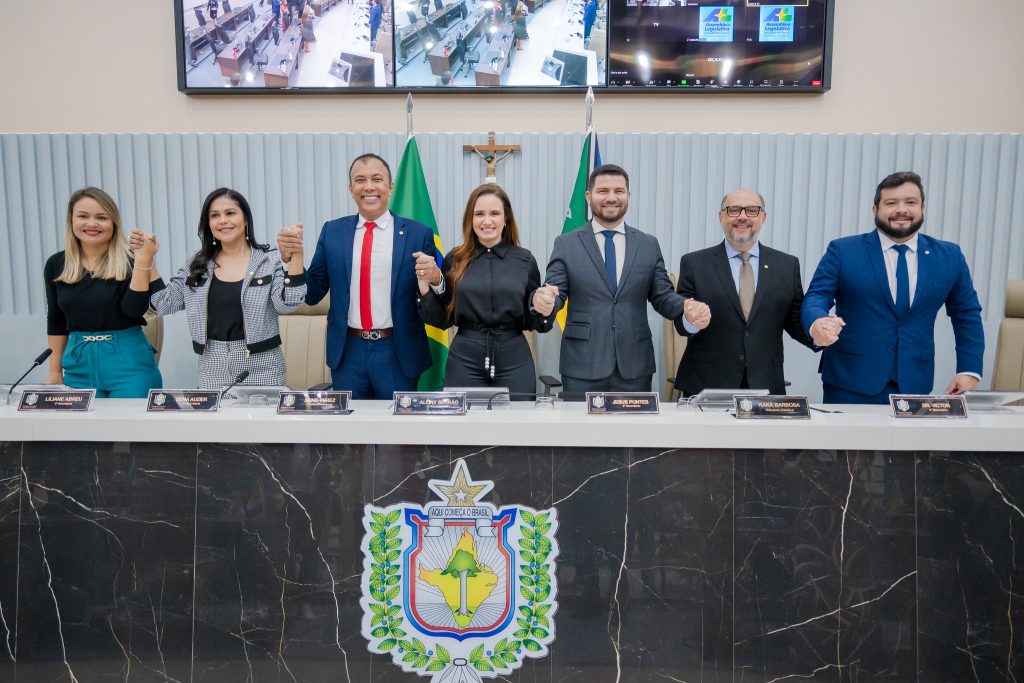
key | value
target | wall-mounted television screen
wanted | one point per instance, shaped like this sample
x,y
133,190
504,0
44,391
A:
x,y
321,46
709,44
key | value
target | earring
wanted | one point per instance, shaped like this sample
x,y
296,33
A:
x,y
214,241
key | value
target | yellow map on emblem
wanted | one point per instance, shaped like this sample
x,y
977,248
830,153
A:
x,y
464,582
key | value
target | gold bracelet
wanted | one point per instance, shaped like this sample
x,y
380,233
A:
x,y
151,266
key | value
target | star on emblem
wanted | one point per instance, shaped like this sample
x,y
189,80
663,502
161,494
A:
x,y
460,490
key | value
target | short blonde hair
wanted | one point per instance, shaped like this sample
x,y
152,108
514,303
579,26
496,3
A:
x,y
116,263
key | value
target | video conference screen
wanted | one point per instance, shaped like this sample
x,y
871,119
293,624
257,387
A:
x,y
365,45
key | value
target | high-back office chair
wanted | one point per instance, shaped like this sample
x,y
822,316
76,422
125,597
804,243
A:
x,y
1008,371
470,58
200,17
227,7
672,352
154,331
599,42
304,343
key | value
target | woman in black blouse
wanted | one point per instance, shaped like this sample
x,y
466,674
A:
x,y
488,283
96,298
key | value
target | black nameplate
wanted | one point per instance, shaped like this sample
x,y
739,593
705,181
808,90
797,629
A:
x,y
778,407
176,400
430,403
314,402
622,403
61,400
908,406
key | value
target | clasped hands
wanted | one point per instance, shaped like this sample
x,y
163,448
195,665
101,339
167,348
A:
x,y
544,299
697,313
289,243
427,272
144,245
825,331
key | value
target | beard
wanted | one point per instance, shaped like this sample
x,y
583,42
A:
x,y
610,215
899,233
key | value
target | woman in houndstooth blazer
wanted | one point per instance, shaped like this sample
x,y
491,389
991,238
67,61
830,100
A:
x,y
233,289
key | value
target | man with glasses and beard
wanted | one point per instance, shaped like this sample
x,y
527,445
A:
x,y
887,287
609,271
755,293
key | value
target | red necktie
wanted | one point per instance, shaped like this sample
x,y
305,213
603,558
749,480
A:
x,y
365,310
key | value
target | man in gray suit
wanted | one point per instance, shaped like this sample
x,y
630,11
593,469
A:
x,y
609,271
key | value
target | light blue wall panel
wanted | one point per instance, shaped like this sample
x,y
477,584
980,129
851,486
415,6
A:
x,y
817,187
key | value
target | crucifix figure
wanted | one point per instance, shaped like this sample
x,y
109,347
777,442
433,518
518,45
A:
x,y
489,153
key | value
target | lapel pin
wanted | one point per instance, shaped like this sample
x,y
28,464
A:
x,y
401,232
925,252
766,266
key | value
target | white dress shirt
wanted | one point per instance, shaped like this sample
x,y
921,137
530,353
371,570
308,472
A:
x,y
380,272
620,245
891,255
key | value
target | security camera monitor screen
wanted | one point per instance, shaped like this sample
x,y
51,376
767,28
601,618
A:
x,y
277,44
705,44
498,43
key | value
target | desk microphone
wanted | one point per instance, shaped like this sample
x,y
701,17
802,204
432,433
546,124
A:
x,y
36,363
511,395
241,378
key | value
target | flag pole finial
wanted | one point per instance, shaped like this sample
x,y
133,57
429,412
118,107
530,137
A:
x,y
408,116
590,107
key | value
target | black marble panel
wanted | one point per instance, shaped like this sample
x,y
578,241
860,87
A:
x,y
825,565
971,566
10,503
105,566
278,530
242,562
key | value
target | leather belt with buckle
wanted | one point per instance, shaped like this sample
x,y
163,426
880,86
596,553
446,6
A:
x,y
372,335
97,337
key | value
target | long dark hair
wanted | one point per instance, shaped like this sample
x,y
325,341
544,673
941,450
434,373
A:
x,y
461,256
211,247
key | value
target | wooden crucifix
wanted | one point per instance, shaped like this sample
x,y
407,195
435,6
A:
x,y
489,153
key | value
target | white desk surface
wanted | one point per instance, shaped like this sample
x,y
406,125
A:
x,y
856,428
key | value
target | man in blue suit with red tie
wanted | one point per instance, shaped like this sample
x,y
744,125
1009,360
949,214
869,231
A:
x,y
887,287
376,342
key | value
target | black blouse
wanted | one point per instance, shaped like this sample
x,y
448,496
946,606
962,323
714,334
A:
x,y
495,292
224,311
91,304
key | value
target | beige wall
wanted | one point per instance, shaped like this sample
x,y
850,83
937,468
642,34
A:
x,y
899,65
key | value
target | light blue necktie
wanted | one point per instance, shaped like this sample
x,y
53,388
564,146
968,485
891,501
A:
x,y
902,280
609,258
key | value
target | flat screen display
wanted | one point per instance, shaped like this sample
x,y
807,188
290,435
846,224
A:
x,y
705,44
316,46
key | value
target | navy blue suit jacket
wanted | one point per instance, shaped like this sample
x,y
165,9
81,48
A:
x,y
876,343
331,271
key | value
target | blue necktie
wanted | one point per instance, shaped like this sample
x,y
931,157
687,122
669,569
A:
x,y
609,258
902,280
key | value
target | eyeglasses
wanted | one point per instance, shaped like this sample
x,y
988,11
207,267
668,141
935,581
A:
x,y
735,211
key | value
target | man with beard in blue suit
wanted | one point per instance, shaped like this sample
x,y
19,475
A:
x,y
376,342
887,287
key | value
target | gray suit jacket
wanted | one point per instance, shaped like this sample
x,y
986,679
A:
x,y
605,329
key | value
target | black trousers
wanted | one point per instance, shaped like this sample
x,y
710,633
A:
x,y
507,351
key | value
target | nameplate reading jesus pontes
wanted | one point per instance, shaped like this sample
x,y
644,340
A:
x,y
430,403
622,403
912,406
175,401
778,407
314,403
65,401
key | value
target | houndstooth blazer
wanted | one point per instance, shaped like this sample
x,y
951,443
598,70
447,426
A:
x,y
267,291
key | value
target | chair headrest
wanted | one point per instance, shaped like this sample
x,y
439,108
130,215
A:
x,y
320,309
1015,299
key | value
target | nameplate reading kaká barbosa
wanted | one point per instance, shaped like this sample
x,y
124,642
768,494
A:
x,y
314,402
177,400
772,407
75,400
430,403
622,403
916,406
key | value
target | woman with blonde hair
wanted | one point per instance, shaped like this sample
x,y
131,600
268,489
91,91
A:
x,y
486,292
96,297
308,36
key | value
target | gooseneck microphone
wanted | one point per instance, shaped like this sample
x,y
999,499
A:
x,y
35,364
241,378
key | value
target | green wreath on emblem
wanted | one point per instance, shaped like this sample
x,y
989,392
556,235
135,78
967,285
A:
x,y
535,587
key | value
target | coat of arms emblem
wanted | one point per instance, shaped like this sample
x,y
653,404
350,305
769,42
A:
x,y
459,590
